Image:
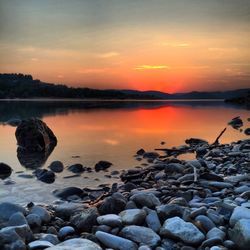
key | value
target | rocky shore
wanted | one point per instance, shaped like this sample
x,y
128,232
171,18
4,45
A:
x,y
170,203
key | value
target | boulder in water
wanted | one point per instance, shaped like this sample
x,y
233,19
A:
x,y
35,136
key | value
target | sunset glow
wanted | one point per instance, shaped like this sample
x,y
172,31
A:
x,y
172,46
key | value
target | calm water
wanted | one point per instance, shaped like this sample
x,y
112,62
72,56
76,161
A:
x,y
107,130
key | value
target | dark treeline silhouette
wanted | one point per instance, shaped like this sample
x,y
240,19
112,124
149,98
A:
x,y
241,100
23,86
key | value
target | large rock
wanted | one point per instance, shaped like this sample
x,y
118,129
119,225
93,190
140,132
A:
x,y
17,219
11,234
169,210
113,204
142,235
85,220
76,244
8,209
240,234
239,213
35,136
35,142
115,242
145,199
133,216
5,170
66,210
152,220
177,228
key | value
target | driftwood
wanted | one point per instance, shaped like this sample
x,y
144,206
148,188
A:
x,y
195,174
174,151
216,142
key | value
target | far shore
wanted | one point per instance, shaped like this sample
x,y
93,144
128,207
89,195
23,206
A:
x,y
107,100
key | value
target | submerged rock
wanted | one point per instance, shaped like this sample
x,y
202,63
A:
x,y
236,122
102,165
5,171
247,131
195,141
56,166
68,191
76,168
45,175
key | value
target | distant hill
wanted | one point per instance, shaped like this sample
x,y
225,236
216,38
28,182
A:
x,y
24,86
243,99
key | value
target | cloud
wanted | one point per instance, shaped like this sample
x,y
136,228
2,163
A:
x,y
111,142
183,45
148,67
223,49
108,54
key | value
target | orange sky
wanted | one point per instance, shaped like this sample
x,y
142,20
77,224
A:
x,y
172,46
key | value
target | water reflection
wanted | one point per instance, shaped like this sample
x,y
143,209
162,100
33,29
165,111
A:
x,y
33,160
33,108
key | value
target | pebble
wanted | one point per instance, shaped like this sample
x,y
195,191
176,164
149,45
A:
x,y
65,231
41,212
205,222
76,244
140,235
115,242
39,244
111,220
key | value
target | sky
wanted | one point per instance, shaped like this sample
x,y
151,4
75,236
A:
x,y
165,45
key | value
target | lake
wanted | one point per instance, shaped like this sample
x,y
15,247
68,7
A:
x,y
89,131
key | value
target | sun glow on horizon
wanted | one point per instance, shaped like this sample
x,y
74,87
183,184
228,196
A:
x,y
145,67
128,44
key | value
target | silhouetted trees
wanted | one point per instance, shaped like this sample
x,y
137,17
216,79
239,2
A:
x,y
23,86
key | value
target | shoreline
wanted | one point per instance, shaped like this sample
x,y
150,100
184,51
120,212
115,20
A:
x,y
169,204
106,100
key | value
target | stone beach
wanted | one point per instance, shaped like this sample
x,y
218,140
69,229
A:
x,y
168,203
